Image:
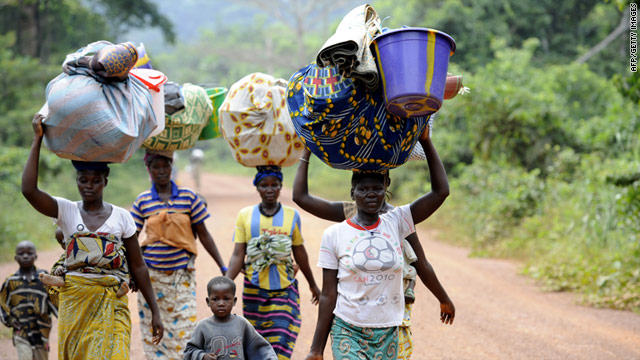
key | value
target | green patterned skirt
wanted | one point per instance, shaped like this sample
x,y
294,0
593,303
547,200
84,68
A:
x,y
349,342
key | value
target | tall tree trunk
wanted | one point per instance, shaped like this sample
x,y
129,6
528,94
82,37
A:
x,y
27,30
621,28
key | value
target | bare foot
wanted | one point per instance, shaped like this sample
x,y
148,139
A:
x,y
51,280
124,289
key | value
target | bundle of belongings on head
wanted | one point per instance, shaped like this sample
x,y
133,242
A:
x,y
341,104
188,110
95,111
255,122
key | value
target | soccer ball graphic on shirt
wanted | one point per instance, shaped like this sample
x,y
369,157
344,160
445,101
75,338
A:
x,y
373,254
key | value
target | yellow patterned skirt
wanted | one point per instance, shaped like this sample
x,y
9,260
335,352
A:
x,y
175,293
405,343
92,322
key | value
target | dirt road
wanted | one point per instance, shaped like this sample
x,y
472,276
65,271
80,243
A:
x,y
500,315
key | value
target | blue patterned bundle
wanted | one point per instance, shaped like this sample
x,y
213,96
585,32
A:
x,y
346,126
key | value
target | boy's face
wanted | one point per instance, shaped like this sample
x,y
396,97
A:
x,y
221,300
25,254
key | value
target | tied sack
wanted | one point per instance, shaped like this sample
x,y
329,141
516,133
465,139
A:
x,y
255,122
93,119
182,128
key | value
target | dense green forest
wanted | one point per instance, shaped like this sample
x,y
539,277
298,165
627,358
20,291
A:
x,y
543,154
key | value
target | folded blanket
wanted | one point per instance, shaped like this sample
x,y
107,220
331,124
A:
x,y
348,48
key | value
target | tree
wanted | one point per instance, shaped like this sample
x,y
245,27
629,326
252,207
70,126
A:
x,y
44,28
564,29
303,16
22,84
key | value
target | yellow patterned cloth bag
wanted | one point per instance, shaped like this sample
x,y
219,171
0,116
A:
x,y
255,121
182,129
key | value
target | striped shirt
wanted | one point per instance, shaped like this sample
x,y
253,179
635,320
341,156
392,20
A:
x,y
24,299
250,224
159,255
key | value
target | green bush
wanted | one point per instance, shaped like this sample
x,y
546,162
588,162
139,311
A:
x,y
57,177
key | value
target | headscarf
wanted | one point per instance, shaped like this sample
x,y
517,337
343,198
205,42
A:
x,y
265,171
151,155
90,165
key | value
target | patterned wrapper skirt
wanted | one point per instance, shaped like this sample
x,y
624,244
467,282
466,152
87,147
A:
x,y
275,314
350,342
405,343
175,293
92,322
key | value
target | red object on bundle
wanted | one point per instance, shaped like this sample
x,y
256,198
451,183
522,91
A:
x,y
452,86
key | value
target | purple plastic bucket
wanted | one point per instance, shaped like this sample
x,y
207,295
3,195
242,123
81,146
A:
x,y
413,65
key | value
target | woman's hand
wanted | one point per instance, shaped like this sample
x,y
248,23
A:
x,y
425,134
447,312
210,356
158,328
315,295
36,123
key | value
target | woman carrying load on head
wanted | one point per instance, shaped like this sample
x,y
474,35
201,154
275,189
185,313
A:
x,y
266,235
415,261
362,265
174,216
102,251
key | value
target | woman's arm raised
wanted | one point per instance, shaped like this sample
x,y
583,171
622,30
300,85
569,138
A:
x,y
328,210
427,204
39,199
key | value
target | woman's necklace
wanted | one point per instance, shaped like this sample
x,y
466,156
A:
x,y
269,215
371,231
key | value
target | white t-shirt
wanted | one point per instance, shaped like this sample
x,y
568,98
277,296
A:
x,y
369,264
120,223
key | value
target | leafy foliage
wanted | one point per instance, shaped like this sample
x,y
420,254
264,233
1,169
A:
x,y
22,222
51,29
21,92
563,29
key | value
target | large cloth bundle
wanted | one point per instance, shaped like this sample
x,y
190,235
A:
x,y
255,122
92,119
346,126
348,48
182,128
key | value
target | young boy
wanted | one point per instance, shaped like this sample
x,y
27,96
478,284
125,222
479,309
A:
x,y
25,306
224,335
56,279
